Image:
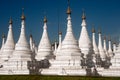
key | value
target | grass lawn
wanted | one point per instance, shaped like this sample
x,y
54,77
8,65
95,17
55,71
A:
x,y
40,77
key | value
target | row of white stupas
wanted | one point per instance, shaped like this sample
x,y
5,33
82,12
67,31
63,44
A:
x,y
71,57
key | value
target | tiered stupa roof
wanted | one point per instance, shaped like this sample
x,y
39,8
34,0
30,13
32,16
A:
x,y
44,48
84,40
22,50
100,47
95,48
69,46
9,44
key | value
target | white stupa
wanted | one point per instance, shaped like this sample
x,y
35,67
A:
x,y
95,49
69,47
68,56
3,41
116,59
84,41
9,44
114,48
114,69
2,46
33,46
100,47
105,46
31,43
21,55
110,52
60,43
44,48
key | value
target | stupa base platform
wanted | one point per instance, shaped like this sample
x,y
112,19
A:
x,y
14,72
110,72
3,72
19,72
64,71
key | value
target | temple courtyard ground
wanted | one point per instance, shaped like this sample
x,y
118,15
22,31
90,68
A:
x,y
40,77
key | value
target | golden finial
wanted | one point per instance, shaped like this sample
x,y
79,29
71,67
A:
x,y
99,31
60,33
83,15
23,16
55,40
10,21
68,10
104,37
45,19
30,35
114,42
109,38
93,29
3,35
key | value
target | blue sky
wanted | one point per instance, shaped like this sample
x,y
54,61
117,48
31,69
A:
x,y
104,14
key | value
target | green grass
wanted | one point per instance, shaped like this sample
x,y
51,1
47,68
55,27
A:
x,y
40,77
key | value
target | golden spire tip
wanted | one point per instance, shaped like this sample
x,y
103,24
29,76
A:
x,y
99,31
68,10
10,21
3,35
93,30
83,15
45,19
23,16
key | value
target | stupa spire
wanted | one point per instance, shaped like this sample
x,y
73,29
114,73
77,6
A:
x,y
3,39
22,38
31,42
84,40
44,48
69,44
95,48
83,15
60,37
110,47
60,42
96,55
104,43
100,47
9,44
114,46
22,47
2,46
105,46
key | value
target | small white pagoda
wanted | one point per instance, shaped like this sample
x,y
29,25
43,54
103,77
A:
x,y
1,49
100,47
110,52
95,49
105,47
